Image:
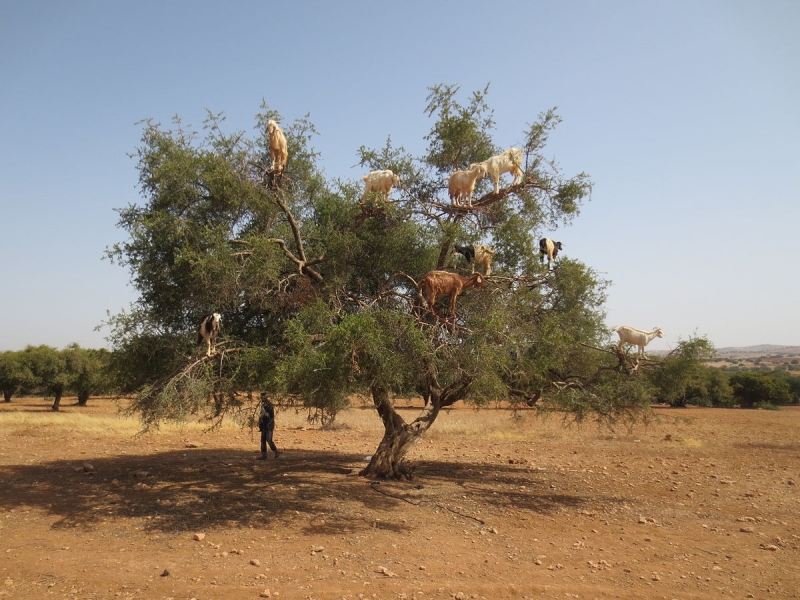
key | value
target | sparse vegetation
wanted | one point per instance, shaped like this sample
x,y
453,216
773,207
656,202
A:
x,y
557,511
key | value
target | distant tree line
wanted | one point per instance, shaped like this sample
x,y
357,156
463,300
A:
x,y
685,379
680,379
53,373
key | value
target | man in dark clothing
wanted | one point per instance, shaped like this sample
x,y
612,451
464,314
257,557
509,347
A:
x,y
266,424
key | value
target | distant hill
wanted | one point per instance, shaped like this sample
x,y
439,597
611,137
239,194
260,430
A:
x,y
761,350
765,357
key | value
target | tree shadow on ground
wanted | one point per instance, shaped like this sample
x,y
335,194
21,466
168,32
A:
x,y
199,489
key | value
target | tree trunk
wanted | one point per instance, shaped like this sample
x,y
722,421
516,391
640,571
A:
x,y
57,400
388,462
83,398
399,437
7,395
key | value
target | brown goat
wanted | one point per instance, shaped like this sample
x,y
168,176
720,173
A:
x,y
445,283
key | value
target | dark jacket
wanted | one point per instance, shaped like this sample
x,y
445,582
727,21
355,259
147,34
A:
x,y
266,418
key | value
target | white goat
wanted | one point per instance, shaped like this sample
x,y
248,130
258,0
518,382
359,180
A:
x,y
509,161
637,337
461,184
278,149
549,248
207,332
379,181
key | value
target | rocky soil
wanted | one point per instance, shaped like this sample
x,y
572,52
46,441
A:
x,y
702,503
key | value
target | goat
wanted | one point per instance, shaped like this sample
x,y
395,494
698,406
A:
x,y
461,184
278,152
507,162
207,332
549,248
479,254
379,181
637,337
445,283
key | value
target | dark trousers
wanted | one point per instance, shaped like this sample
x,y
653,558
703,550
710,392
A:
x,y
266,438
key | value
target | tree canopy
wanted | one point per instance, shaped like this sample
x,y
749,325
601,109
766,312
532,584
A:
x,y
14,374
318,289
752,389
54,372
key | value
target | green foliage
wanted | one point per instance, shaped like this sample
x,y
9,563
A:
x,y
717,388
14,374
792,381
141,353
52,372
317,288
754,389
460,134
90,375
682,375
49,369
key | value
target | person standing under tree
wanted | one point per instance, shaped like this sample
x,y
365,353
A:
x,y
266,424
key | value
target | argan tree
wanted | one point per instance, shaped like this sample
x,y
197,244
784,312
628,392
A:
x,y
48,367
317,286
88,370
752,389
14,374
682,373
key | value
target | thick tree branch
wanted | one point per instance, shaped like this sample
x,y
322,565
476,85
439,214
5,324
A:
x,y
302,266
298,240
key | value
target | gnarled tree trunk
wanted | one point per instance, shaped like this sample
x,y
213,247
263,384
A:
x,y
400,437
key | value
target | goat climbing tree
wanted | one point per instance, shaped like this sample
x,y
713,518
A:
x,y
318,291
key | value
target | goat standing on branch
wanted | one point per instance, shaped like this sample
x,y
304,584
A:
x,y
549,248
207,332
445,283
278,149
637,337
479,254
509,161
379,181
461,184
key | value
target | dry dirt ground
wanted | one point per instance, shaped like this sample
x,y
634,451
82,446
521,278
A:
x,y
700,504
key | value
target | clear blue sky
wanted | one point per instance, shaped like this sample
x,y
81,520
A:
x,y
686,114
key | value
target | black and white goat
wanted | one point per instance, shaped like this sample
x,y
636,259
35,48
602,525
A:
x,y
207,332
479,254
549,248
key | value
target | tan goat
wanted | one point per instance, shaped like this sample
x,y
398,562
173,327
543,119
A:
x,y
278,149
461,184
509,161
379,181
445,283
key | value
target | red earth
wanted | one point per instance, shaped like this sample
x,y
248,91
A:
x,y
701,503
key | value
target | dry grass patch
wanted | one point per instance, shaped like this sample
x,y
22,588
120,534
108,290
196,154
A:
x,y
41,424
